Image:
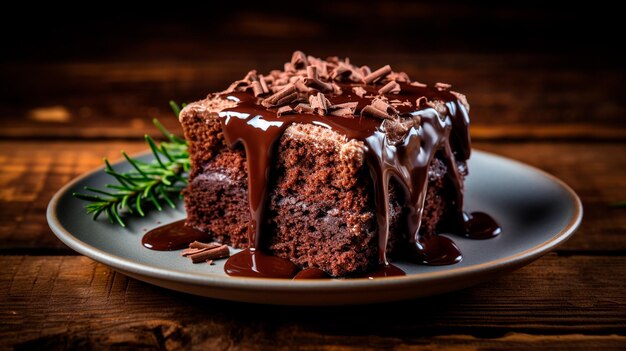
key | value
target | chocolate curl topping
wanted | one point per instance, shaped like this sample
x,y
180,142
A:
x,y
359,91
391,87
400,77
298,60
374,112
311,72
377,74
312,80
284,110
284,96
442,86
201,245
301,87
319,103
343,110
345,71
318,84
418,84
250,76
304,108
287,99
380,104
422,101
365,70
210,254
263,83
257,89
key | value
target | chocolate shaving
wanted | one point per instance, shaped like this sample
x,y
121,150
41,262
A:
x,y
301,87
343,110
304,108
418,84
336,89
284,110
250,76
318,84
380,104
391,87
345,71
187,252
289,67
365,70
359,91
257,89
462,99
400,77
285,94
319,103
210,262
311,72
201,245
396,103
377,74
287,99
374,112
264,85
442,86
298,60
210,254
422,101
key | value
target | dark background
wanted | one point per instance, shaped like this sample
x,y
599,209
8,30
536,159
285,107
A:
x,y
106,72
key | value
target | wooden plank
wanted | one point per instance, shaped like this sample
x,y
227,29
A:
x,y
555,303
31,172
532,94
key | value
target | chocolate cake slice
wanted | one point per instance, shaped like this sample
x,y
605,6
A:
x,y
329,165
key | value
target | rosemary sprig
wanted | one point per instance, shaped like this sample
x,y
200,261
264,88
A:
x,y
146,183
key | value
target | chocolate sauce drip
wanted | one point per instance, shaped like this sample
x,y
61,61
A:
x,y
406,158
479,225
437,250
173,236
257,264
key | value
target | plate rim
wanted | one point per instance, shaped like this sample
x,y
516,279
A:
x,y
323,285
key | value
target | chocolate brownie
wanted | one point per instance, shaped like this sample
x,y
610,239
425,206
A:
x,y
326,164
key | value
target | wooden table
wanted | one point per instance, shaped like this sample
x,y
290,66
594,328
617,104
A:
x,y
60,119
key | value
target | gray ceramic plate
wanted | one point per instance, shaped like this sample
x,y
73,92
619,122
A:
x,y
536,211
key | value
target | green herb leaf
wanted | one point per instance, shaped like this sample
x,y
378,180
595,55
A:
x,y
147,182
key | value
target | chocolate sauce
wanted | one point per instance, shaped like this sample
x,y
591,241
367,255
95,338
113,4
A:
x,y
255,263
406,159
436,250
311,273
173,236
479,225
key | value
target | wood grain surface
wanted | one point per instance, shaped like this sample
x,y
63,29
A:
x,y
543,91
